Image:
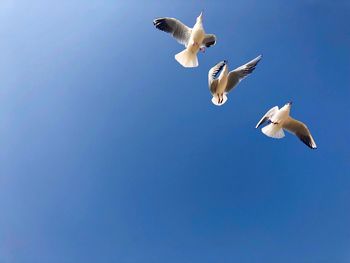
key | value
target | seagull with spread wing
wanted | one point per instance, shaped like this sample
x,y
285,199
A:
x,y
194,39
279,119
222,82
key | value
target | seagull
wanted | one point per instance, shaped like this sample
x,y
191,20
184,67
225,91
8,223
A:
x,y
222,82
279,119
194,39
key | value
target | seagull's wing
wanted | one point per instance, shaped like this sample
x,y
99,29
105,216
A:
x,y
176,28
300,129
209,40
213,75
267,116
235,76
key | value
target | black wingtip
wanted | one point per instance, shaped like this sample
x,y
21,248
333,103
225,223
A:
x,y
161,24
218,70
155,21
307,141
311,147
209,44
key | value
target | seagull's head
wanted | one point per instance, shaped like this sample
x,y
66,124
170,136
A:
x,y
200,17
288,105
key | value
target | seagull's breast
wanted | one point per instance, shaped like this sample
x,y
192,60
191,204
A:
x,y
280,116
223,78
198,33
222,83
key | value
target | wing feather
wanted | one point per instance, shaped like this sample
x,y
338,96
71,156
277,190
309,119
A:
x,y
236,75
301,131
209,40
176,28
267,116
213,74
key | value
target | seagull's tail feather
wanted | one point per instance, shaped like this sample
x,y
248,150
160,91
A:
x,y
215,100
273,130
187,59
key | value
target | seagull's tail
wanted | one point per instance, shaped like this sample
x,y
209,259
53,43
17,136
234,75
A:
x,y
187,58
215,100
273,130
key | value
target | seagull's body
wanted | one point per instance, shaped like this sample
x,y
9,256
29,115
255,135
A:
x,y
194,39
221,81
279,120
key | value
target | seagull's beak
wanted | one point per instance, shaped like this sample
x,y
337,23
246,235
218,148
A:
x,y
201,15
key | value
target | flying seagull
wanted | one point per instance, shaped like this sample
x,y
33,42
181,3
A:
x,y
279,119
222,82
194,39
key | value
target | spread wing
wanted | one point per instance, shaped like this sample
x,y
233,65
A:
x,y
176,28
301,131
213,75
209,40
235,76
267,116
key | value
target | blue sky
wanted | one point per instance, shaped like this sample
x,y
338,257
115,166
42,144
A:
x,y
110,151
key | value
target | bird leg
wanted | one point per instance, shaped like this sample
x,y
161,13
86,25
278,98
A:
x,y
219,99
196,45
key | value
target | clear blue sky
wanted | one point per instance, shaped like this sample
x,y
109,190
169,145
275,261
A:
x,y
110,151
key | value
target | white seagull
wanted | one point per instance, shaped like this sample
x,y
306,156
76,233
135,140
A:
x,y
222,82
279,119
193,39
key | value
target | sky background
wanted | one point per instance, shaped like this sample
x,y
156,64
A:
x,y
110,151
